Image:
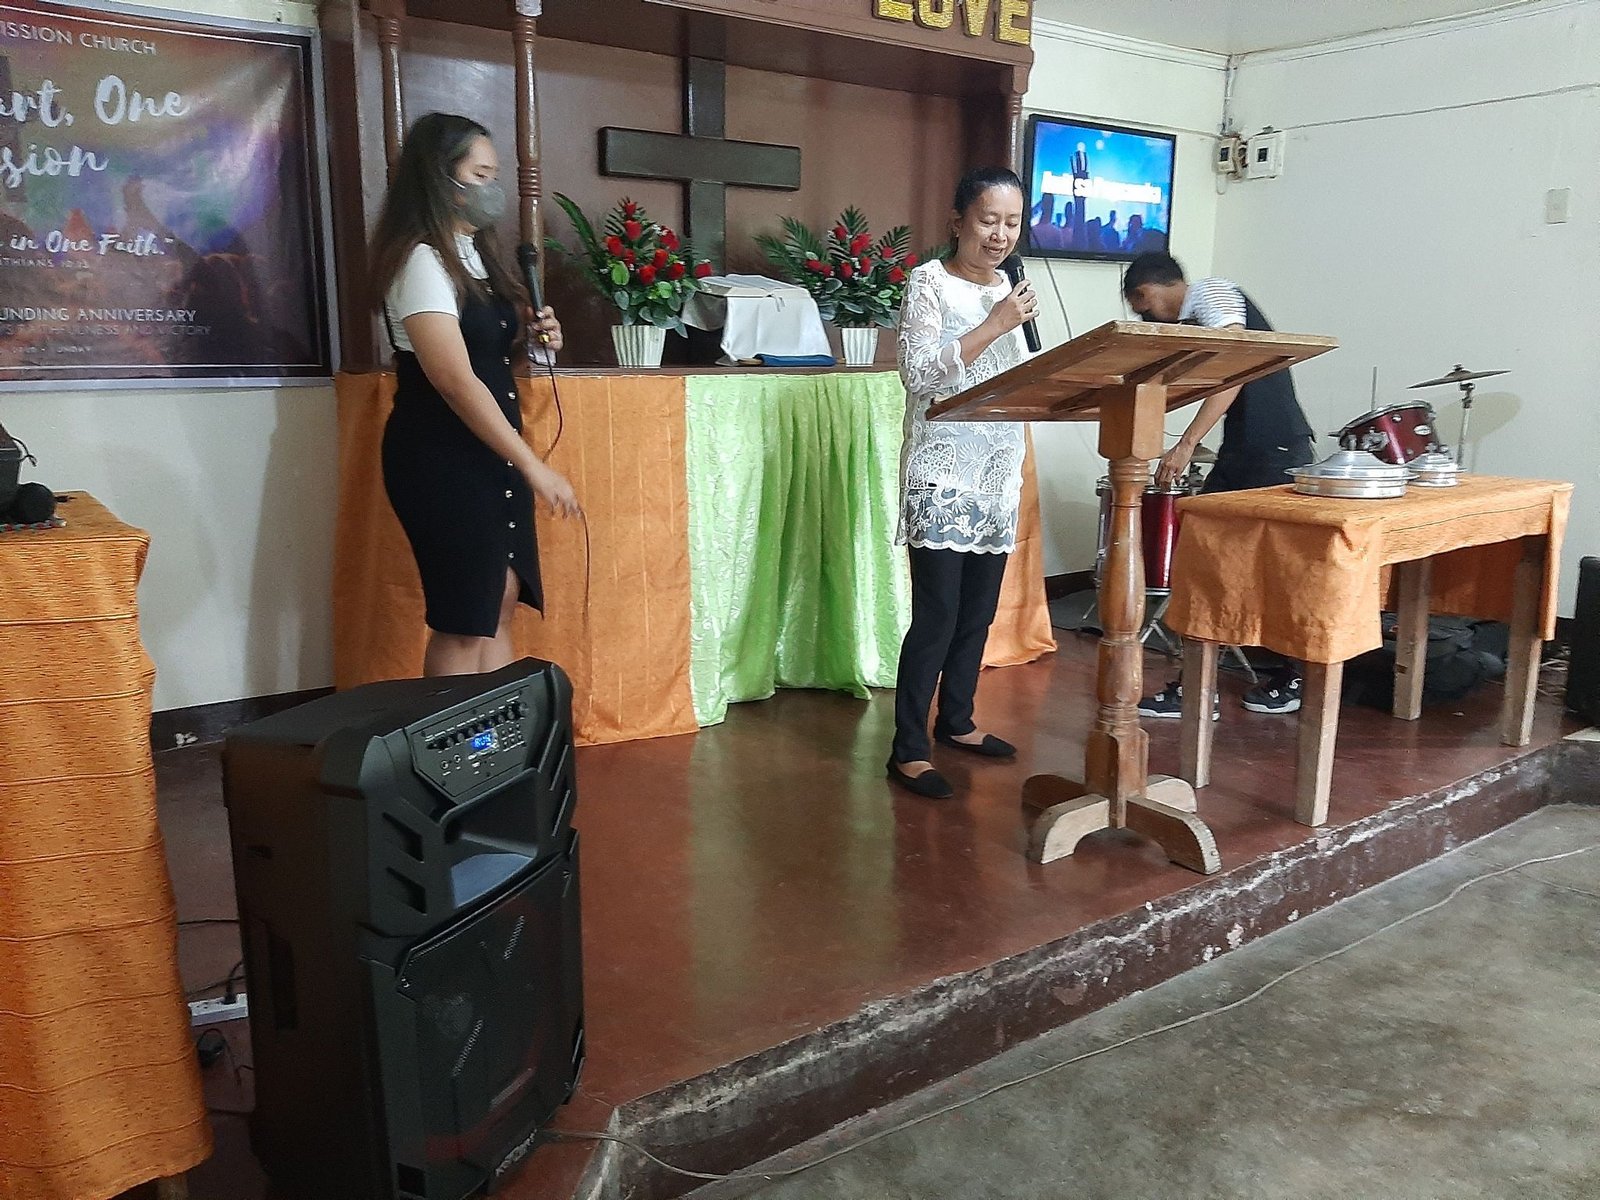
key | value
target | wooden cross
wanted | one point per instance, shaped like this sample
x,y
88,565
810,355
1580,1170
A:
x,y
701,158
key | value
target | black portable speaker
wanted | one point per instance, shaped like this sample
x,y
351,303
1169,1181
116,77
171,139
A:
x,y
1583,666
407,878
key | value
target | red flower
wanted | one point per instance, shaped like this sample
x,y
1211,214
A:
x,y
702,270
866,262
911,261
676,271
629,257
847,269
814,266
614,247
661,258
841,233
647,274
860,242
629,208
633,229
669,239
827,271
896,275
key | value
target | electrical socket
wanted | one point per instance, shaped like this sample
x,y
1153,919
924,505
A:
x,y
1557,206
210,1012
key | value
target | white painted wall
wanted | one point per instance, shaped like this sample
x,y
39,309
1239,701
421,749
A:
x,y
236,489
1417,239
1409,223
1120,81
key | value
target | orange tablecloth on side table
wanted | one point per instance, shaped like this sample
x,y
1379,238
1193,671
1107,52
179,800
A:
x,y
628,650
99,1088
1307,576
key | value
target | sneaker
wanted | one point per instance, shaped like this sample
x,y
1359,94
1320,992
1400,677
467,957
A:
x,y
1276,696
1168,702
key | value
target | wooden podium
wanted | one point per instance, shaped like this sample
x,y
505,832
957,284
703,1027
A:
x,y
1126,375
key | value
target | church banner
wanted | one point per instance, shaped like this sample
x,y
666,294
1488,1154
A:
x,y
161,200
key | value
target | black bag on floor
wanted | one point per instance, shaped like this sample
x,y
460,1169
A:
x,y
1458,660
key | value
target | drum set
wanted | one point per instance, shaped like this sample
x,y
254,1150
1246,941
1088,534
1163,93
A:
x,y
1158,522
1403,433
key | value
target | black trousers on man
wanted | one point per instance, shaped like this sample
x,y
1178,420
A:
x,y
954,594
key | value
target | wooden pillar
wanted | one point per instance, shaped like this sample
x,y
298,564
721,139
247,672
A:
x,y
391,15
1015,151
530,187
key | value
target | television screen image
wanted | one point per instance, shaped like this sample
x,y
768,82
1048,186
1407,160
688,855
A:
x,y
1097,191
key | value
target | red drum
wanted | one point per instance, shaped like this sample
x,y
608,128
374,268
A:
x,y
1158,521
1398,434
1160,526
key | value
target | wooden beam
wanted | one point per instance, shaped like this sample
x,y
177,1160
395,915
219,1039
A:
x,y
530,188
1319,727
1411,637
1527,644
1197,730
391,15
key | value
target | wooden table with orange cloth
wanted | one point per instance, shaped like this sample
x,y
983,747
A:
x,y
99,1086
1309,577
618,590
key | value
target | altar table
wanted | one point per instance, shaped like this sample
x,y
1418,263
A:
x,y
99,1085
740,538
1308,577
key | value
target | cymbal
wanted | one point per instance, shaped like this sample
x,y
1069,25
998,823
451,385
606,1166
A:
x,y
1204,455
1459,375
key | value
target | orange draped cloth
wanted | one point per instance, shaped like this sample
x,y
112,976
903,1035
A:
x,y
1308,576
617,590
99,1087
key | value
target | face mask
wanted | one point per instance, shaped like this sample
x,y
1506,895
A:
x,y
484,205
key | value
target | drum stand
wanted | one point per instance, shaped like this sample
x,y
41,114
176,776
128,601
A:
x,y
1466,423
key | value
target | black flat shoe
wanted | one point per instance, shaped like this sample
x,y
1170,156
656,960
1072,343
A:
x,y
930,784
990,747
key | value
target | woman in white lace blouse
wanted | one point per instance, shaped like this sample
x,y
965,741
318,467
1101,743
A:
x,y
959,482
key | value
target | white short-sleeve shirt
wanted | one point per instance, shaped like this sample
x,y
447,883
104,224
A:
x,y
423,285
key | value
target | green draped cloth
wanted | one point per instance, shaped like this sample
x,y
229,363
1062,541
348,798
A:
x,y
795,579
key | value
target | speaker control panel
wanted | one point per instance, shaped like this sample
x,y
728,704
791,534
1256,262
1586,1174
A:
x,y
465,747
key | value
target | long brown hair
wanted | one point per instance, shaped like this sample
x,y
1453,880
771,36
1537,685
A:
x,y
420,208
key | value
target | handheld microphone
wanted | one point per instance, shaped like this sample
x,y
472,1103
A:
x,y
1013,269
528,260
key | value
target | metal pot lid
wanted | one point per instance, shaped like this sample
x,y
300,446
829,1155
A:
x,y
1434,463
1352,464
1435,470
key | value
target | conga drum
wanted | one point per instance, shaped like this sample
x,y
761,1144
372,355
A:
x,y
1398,434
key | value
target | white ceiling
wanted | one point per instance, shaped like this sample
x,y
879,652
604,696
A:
x,y
1243,26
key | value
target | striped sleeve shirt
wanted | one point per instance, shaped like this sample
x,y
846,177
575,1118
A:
x,y
1214,303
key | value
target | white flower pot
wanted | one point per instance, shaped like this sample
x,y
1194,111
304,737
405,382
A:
x,y
638,345
860,346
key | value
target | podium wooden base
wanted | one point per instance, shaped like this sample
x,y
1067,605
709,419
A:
x,y
1068,813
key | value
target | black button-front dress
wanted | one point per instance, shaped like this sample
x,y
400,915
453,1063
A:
x,y
467,512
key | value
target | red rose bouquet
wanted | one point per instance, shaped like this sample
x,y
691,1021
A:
x,y
639,265
858,281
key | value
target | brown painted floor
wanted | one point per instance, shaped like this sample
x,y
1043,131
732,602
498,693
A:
x,y
758,880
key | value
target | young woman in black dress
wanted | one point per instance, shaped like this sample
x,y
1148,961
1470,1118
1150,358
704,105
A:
x,y
455,467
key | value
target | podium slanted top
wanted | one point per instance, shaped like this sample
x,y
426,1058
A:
x,y
1068,382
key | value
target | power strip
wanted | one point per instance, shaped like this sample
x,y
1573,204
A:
x,y
210,1012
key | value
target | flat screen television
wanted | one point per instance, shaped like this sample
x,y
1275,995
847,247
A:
x,y
1097,191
